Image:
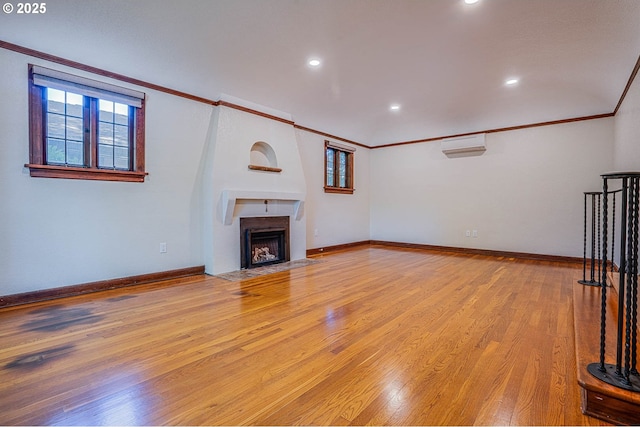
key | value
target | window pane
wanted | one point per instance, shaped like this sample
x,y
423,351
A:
x,y
342,174
121,160
65,128
121,135
74,129
106,111
113,130
55,126
55,101
105,133
74,104
75,154
55,151
121,114
105,156
330,165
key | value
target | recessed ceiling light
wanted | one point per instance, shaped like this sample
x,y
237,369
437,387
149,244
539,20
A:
x,y
394,107
511,82
471,1
314,62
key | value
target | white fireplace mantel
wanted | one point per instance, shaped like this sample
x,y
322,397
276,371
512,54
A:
x,y
229,198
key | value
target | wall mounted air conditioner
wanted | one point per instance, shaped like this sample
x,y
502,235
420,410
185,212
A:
x,y
463,144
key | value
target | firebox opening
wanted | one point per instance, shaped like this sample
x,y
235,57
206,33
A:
x,y
265,241
266,247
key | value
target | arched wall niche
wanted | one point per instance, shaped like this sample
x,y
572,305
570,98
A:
x,y
263,157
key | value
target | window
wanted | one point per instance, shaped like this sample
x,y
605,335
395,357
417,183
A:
x,y
84,129
338,170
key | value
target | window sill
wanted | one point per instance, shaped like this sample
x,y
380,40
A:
x,y
50,171
339,190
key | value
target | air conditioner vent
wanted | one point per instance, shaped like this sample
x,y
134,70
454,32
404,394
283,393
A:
x,y
464,144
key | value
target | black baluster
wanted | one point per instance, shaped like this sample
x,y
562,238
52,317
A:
x,y
613,233
593,236
634,290
623,271
584,246
603,281
629,287
599,258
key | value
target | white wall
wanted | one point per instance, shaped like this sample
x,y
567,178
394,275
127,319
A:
x,y
524,194
58,232
627,131
337,218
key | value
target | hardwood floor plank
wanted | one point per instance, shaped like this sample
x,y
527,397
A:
x,y
368,336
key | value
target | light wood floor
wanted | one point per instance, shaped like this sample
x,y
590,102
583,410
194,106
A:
x,y
370,335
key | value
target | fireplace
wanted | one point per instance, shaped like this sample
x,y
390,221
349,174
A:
x,y
264,241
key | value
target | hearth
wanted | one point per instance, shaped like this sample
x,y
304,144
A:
x,y
264,241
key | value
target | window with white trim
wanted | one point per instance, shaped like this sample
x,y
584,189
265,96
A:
x,y
84,129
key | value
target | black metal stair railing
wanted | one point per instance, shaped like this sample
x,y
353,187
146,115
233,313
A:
x,y
624,372
593,222
595,198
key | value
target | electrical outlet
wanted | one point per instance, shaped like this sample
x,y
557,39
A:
x,y
315,232
163,248
475,233
467,233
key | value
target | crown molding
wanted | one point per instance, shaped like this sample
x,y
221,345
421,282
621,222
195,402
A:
x,y
105,73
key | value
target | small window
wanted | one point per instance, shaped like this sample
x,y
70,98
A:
x,y
338,168
84,129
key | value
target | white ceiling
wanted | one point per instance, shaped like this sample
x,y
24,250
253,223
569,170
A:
x,y
443,61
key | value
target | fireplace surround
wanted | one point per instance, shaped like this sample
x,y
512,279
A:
x,y
264,241
233,191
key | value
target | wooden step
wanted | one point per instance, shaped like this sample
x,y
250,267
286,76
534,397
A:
x,y
599,399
